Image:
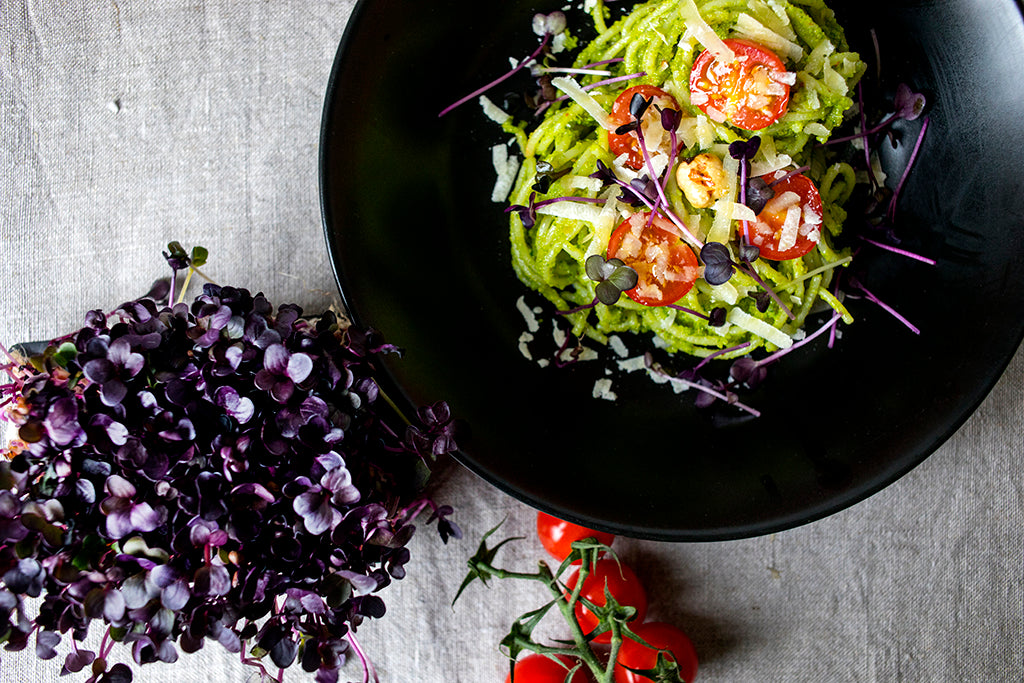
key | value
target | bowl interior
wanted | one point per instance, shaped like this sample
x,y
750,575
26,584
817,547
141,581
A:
x,y
421,254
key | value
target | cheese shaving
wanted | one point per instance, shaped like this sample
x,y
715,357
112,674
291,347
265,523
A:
x,y
582,98
758,327
704,34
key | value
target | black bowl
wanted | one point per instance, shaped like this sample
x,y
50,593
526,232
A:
x,y
421,254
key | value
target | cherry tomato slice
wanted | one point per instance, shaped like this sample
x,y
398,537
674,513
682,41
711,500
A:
x,y
623,585
665,636
654,135
538,668
557,535
751,92
666,267
796,200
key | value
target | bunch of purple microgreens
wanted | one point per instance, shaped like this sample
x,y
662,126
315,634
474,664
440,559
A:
x,y
221,471
614,277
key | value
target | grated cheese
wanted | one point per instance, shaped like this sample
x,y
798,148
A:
x,y
506,168
603,389
758,327
704,34
752,29
493,111
583,98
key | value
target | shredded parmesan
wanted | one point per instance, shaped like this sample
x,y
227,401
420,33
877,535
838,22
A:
x,y
758,327
750,28
583,98
603,389
574,210
493,111
704,34
506,168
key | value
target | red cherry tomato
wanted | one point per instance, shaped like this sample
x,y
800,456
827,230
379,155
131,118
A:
x,y
623,585
804,227
653,132
667,268
752,91
538,668
665,636
557,535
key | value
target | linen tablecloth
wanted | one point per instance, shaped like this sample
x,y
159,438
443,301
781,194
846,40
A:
x,y
130,123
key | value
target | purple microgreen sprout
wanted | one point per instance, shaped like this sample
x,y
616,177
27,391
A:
x,y
638,107
718,265
613,277
158,486
528,214
743,151
856,283
715,318
709,393
590,86
546,26
891,213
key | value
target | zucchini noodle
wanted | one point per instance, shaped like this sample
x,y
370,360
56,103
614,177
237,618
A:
x,y
658,42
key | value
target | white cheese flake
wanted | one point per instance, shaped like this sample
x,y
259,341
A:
x,y
603,389
702,31
583,98
758,327
506,168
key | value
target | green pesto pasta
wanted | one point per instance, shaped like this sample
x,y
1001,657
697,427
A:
x,y
766,302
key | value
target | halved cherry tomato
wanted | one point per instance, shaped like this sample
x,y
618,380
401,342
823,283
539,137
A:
x,y
538,668
777,240
655,136
751,92
666,267
557,535
623,585
664,636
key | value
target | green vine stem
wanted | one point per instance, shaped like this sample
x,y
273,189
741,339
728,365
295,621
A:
x,y
613,617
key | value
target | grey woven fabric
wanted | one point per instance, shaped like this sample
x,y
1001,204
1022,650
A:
x,y
130,123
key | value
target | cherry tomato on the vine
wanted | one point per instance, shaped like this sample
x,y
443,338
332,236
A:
x,y
655,136
557,535
789,225
623,585
664,636
666,267
751,91
538,668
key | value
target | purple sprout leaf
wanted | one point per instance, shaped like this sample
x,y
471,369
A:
x,y
46,644
315,509
909,105
718,264
61,422
758,194
76,661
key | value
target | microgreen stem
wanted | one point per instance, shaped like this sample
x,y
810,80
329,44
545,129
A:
x,y
500,79
906,171
688,310
661,192
897,250
749,270
577,309
369,673
711,392
806,340
607,81
704,361
886,307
